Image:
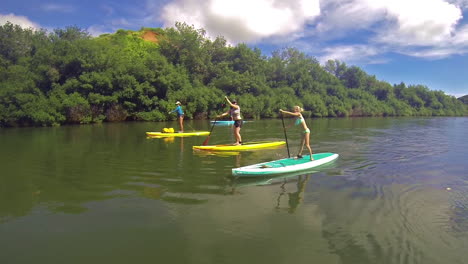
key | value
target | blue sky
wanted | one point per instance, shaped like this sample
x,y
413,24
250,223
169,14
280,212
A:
x,y
412,41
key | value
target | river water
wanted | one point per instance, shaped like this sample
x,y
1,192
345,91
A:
x,y
105,193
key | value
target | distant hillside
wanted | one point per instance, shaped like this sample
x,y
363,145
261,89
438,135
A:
x,y
464,99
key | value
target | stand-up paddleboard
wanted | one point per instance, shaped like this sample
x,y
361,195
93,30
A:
x,y
223,122
226,122
284,165
244,146
175,134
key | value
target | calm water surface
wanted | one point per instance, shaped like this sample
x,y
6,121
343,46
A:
x,y
107,194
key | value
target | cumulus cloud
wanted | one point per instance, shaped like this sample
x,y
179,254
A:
x,y
22,21
402,26
453,45
402,22
243,20
417,22
341,16
461,37
421,28
460,3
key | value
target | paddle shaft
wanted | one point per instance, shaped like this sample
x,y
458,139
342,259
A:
x,y
208,137
285,136
191,127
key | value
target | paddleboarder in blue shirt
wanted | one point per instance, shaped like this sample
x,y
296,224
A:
x,y
180,116
305,130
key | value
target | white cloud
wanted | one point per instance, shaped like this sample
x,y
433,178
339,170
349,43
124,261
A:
x,y
432,53
340,16
349,53
417,22
57,8
111,27
96,30
461,37
120,22
460,3
22,21
422,28
401,22
457,95
457,44
243,20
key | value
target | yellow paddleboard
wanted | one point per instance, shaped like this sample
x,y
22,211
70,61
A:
x,y
181,134
244,146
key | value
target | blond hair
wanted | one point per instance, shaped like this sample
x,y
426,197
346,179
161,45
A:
x,y
299,108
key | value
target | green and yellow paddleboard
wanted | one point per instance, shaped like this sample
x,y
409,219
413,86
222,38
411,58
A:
x,y
181,134
244,146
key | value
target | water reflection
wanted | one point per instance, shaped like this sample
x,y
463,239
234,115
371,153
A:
x,y
204,153
294,197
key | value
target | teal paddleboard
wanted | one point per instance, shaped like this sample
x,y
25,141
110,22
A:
x,y
286,165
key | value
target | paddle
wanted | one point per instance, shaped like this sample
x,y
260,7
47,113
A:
x,y
285,136
208,137
193,129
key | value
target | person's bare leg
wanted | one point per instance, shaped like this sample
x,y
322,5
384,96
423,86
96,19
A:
x,y
307,142
181,123
237,136
299,154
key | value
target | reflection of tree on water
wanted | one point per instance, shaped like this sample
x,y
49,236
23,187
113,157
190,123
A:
x,y
97,170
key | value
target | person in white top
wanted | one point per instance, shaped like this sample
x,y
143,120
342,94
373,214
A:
x,y
234,111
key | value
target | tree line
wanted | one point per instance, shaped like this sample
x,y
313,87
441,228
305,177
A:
x,y
67,76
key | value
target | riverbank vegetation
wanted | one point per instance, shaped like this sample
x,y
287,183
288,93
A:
x,y
67,76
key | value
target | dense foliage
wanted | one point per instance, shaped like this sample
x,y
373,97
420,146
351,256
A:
x,y
67,76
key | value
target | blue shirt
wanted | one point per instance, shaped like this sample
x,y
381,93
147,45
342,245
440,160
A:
x,y
178,110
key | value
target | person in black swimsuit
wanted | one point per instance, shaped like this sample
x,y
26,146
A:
x,y
235,114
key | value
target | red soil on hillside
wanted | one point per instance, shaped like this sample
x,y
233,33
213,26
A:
x,y
150,36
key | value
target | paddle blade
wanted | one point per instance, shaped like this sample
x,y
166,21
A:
x,y
206,141
208,137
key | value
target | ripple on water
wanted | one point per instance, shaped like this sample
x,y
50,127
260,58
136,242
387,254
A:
x,y
406,220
